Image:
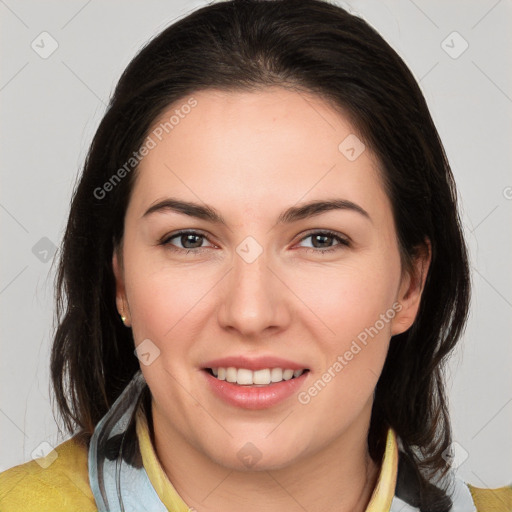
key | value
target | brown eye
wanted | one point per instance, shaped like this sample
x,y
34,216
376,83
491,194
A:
x,y
323,241
190,241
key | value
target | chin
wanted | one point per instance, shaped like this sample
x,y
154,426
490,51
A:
x,y
255,456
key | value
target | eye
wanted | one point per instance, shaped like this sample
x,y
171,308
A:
x,y
191,241
322,240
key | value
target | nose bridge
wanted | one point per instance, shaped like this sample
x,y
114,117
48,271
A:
x,y
254,297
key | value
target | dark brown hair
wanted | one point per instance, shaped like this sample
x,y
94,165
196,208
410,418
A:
x,y
305,45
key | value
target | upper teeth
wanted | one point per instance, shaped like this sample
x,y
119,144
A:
x,y
248,377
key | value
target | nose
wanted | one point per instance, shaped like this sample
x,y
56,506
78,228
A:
x,y
255,300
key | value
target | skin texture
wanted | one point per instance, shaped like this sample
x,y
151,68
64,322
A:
x,y
251,155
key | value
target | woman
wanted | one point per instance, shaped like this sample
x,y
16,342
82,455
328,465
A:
x,y
267,216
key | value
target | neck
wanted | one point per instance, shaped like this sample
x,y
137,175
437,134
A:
x,y
340,477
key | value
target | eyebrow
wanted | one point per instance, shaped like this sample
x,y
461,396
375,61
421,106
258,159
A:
x,y
290,215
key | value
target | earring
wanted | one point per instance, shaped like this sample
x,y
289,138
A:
x,y
123,318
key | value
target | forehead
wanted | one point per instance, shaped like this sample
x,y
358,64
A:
x,y
254,149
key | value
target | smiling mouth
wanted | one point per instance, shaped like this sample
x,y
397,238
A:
x,y
246,377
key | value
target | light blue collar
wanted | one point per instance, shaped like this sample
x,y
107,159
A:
x,y
118,484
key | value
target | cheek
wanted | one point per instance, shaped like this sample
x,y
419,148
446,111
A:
x,y
169,301
162,302
356,309
349,298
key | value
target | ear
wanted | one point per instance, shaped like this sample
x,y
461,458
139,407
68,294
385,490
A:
x,y
121,300
411,289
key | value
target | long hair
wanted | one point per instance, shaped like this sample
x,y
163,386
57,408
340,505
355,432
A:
x,y
305,45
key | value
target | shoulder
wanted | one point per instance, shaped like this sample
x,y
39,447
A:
x,y
453,494
57,482
492,500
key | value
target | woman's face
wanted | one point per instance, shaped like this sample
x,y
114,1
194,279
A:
x,y
264,283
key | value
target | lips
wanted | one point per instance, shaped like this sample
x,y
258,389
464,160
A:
x,y
254,383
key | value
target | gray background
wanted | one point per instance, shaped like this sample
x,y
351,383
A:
x,y
51,106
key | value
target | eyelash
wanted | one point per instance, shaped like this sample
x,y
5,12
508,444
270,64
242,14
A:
x,y
343,242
